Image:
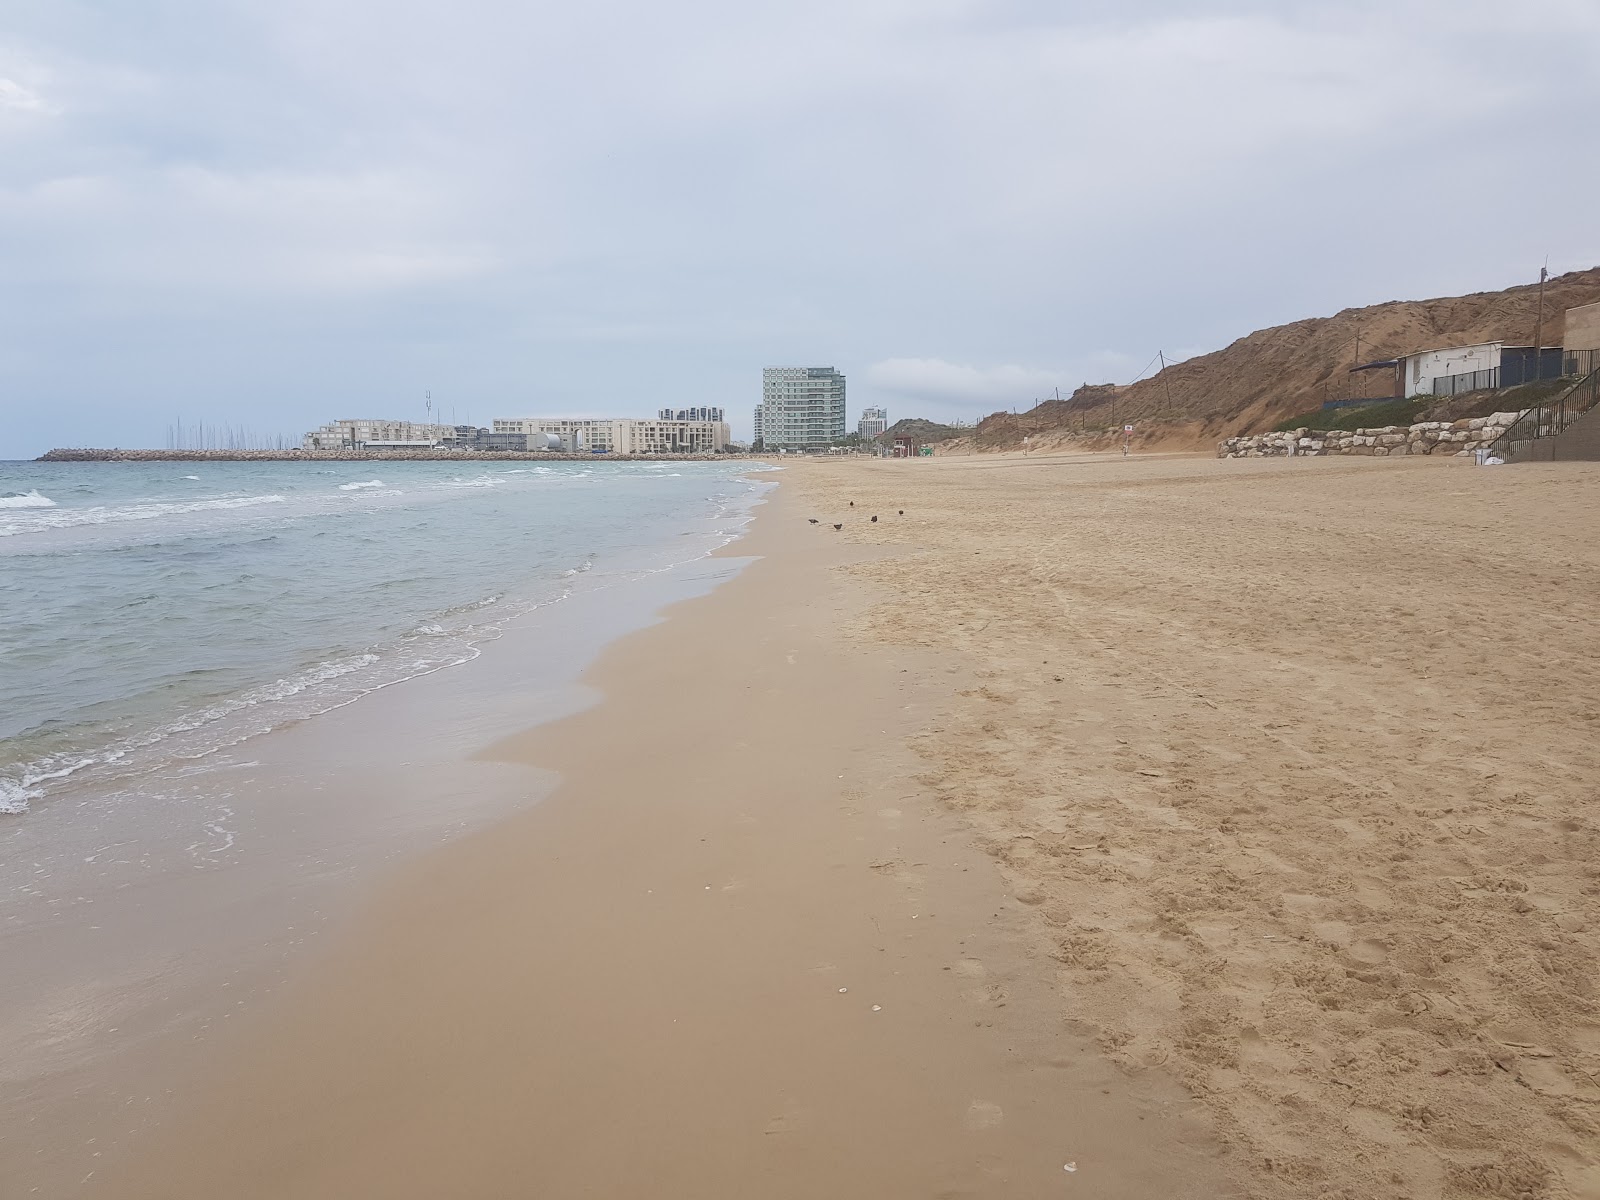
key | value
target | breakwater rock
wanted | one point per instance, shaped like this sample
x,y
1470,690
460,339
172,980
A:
x,y
1459,438
92,455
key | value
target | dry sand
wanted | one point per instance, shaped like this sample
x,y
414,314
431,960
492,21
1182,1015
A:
x,y
1297,764
739,953
1289,771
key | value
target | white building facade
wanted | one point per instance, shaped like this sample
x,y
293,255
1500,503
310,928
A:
x,y
624,435
873,422
1422,368
376,433
802,408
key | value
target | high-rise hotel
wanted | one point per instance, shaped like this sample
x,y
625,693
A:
x,y
802,408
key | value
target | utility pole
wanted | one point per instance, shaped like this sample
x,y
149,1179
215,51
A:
x,y
1357,363
1167,383
1538,329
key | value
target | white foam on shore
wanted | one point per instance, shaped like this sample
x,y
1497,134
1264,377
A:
x,y
28,499
14,798
317,688
354,487
15,793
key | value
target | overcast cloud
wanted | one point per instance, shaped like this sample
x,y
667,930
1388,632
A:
x,y
275,213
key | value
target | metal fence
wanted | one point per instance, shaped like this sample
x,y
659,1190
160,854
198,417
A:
x,y
1572,363
1468,381
1581,362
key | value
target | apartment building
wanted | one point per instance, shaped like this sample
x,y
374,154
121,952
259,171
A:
x,y
691,414
595,435
376,433
670,437
624,435
873,422
802,408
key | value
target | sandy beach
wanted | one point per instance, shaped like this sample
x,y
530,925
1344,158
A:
x,y
740,951
1296,764
1207,828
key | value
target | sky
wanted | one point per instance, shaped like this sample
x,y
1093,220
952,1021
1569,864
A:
x,y
273,213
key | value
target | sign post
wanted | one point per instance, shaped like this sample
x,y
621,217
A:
x,y
1127,434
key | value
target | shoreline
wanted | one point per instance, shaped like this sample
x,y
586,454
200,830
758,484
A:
x,y
129,952
1202,824
737,951
64,455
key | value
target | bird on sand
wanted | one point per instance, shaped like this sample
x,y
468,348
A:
x,y
813,520
852,504
902,512
874,518
838,526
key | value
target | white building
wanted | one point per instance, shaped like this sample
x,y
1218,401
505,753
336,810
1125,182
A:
x,y
362,433
873,422
576,433
1456,369
691,414
802,408
1419,370
624,435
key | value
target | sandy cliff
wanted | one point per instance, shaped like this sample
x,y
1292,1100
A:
x,y
1275,373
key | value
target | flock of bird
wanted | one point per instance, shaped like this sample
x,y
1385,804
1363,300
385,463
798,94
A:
x,y
840,525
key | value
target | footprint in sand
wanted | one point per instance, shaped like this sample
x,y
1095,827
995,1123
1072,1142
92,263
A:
x,y
792,1121
1369,950
984,1114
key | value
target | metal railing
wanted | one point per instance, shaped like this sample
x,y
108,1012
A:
x,y
1581,362
1548,419
1572,363
1467,381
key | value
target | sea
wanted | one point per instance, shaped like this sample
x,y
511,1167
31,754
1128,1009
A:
x,y
156,613
233,694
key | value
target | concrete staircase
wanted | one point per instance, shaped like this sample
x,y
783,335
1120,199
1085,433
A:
x,y
1579,442
1567,429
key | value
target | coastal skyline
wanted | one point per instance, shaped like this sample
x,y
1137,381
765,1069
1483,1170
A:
x,y
269,214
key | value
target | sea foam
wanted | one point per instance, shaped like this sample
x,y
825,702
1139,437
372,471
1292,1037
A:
x,y
31,499
66,518
14,798
353,487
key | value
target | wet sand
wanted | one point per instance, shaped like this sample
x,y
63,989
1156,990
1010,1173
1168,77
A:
x,y
741,950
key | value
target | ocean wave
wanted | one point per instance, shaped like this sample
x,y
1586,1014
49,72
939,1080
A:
x,y
29,499
15,793
191,477
450,638
355,487
66,518
14,798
